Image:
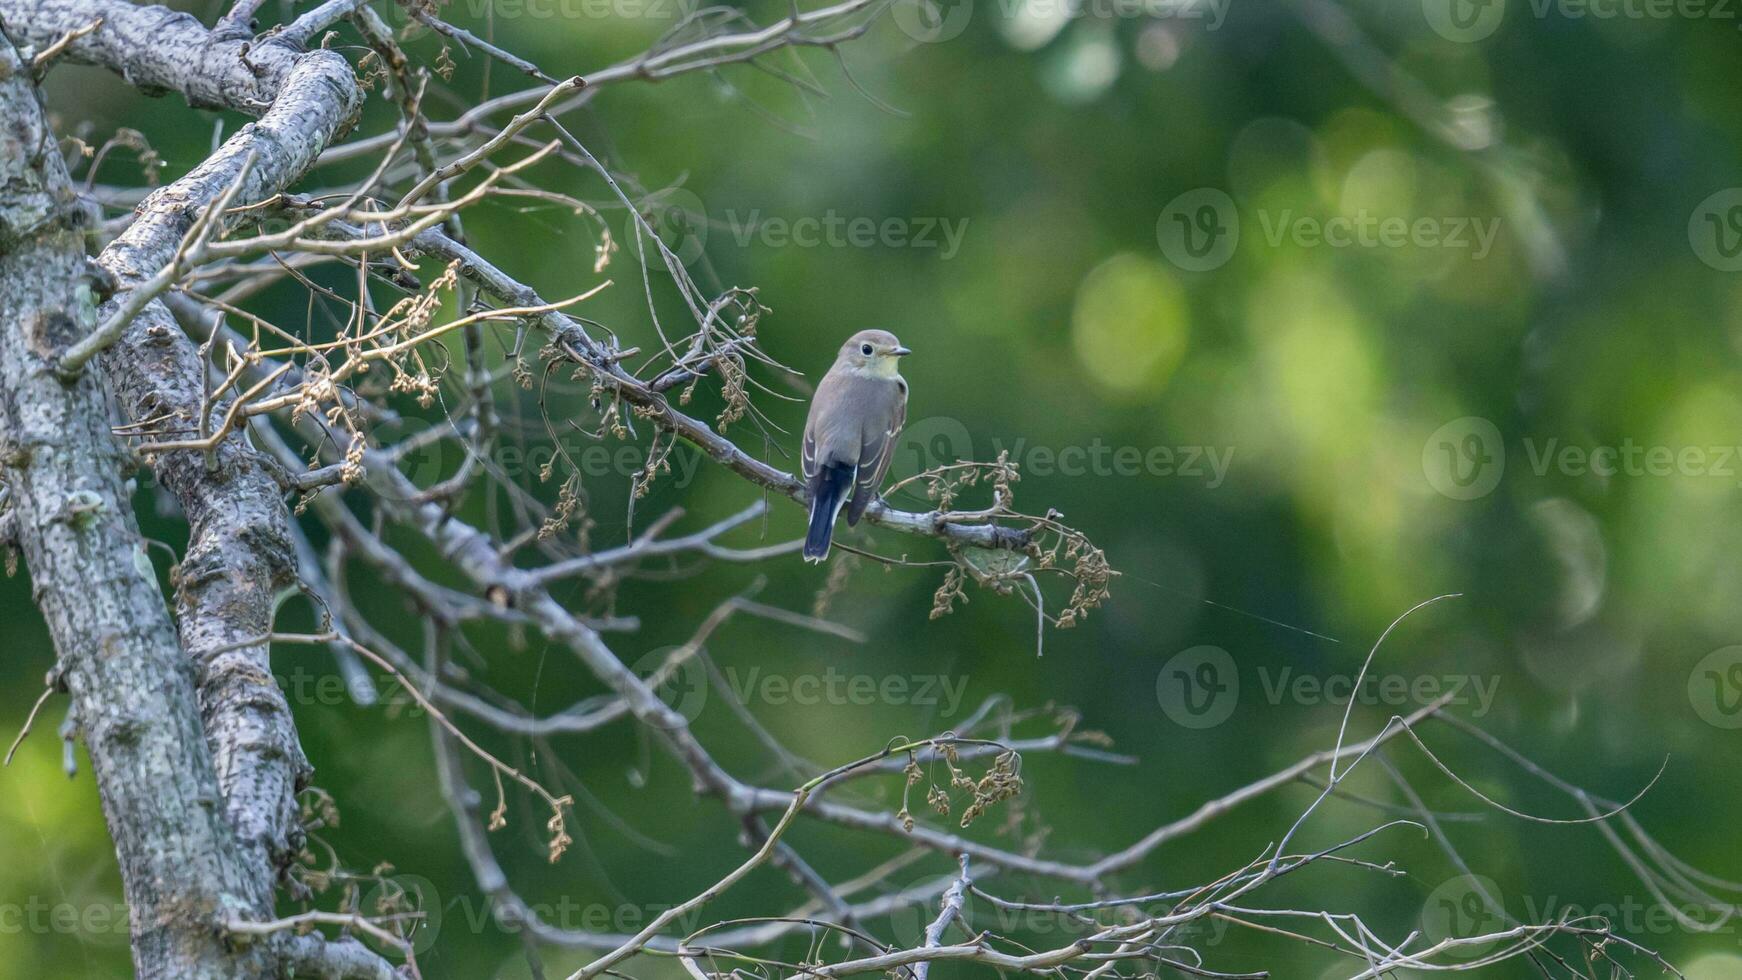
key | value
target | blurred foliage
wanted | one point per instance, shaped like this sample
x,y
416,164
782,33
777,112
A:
x,y
1326,375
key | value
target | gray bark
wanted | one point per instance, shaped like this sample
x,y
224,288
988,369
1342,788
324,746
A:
x,y
131,687
157,50
192,744
240,550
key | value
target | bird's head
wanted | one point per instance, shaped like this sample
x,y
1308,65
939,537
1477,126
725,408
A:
x,y
872,352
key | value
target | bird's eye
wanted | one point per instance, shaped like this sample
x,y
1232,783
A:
x,y
865,349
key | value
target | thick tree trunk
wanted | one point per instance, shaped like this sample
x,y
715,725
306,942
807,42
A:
x,y
239,549
132,688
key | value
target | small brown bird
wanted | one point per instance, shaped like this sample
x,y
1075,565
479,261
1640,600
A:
x,y
850,435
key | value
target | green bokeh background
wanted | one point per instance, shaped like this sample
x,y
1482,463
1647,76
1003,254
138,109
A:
x,y
1336,377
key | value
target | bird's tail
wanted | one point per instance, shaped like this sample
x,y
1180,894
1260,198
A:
x,y
828,491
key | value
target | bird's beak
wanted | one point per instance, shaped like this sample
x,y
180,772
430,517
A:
x,y
901,352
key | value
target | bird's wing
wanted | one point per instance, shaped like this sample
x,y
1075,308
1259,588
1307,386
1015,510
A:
x,y
809,461
875,453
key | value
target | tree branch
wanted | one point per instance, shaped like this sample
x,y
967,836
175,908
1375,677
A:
x,y
132,693
239,550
